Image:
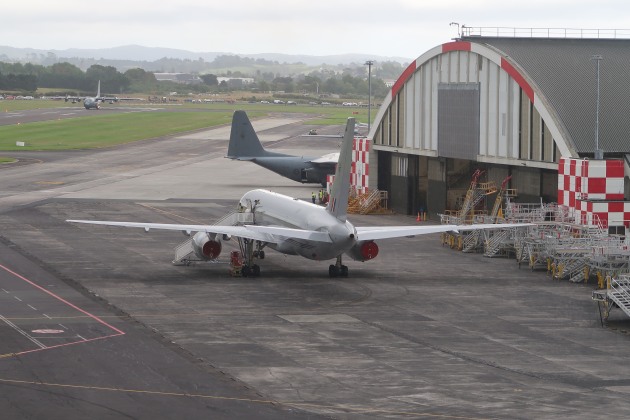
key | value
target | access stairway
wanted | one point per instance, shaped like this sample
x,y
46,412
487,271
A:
x,y
185,253
616,295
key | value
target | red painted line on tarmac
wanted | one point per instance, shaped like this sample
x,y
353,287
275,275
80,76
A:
x,y
68,344
94,317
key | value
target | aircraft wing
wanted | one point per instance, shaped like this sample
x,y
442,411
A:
x,y
330,158
239,231
385,232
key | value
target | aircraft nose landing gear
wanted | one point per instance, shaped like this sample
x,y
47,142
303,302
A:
x,y
338,269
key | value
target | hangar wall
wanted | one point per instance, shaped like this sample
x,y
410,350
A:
x,y
456,102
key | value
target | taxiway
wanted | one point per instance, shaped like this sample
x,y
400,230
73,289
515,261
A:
x,y
420,332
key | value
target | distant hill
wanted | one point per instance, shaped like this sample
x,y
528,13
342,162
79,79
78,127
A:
x,y
148,54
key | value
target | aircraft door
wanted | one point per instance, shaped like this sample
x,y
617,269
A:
x,y
303,176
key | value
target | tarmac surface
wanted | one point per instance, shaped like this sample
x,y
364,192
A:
x,y
96,321
65,111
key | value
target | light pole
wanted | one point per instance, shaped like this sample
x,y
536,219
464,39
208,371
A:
x,y
599,154
369,63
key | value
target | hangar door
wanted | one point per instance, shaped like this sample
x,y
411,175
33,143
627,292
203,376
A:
x,y
458,120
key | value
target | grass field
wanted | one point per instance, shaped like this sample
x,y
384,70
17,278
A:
x,y
97,130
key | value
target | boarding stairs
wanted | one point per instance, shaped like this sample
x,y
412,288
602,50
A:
x,y
372,202
619,293
185,253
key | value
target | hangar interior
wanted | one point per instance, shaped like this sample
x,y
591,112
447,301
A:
x,y
510,106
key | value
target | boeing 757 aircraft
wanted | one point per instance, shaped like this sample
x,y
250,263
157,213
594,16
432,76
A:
x,y
245,145
297,227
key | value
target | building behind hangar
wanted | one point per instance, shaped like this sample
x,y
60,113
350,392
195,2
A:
x,y
507,105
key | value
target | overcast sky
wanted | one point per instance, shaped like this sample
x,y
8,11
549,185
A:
x,y
402,28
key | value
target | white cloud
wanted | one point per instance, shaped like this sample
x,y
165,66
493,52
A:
x,y
395,28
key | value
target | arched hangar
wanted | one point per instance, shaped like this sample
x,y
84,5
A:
x,y
506,105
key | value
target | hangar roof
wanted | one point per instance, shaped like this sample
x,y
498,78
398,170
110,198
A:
x,y
565,74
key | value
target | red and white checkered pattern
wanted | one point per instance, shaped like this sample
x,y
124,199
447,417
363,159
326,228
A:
x,y
589,180
359,173
588,187
608,213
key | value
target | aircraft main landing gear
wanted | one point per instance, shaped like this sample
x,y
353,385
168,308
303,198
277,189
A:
x,y
249,253
338,269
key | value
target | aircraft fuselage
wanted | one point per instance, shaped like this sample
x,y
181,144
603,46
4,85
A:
x,y
297,168
90,103
273,209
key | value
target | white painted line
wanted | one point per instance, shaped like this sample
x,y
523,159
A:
x,y
18,298
70,113
32,307
63,326
47,316
81,337
5,291
21,331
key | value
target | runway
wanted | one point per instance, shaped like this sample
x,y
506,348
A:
x,y
420,332
65,111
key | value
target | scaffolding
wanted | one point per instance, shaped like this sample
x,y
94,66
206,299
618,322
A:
x,y
373,202
466,215
615,295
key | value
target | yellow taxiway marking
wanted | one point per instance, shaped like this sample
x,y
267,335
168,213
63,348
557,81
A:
x,y
340,408
50,182
171,214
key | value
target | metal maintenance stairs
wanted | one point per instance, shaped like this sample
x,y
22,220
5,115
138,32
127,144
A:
x,y
496,242
185,253
619,293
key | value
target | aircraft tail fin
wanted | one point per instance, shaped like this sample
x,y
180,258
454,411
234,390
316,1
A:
x,y
338,201
244,142
98,90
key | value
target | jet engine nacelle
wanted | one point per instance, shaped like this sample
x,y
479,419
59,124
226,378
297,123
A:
x,y
363,251
206,246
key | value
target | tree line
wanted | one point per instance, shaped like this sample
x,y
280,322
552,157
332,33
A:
x,y
29,77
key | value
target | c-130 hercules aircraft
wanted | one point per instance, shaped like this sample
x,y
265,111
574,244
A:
x,y
245,145
297,227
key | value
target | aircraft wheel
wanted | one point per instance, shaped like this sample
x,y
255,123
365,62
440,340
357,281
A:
x,y
261,255
344,271
255,254
333,271
256,270
245,271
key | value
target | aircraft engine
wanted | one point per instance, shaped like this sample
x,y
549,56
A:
x,y
363,251
206,246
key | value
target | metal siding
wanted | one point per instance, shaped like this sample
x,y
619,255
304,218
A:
x,y
409,114
514,140
536,137
524,137
493,108
458,120
433,114
417,111
483,107
502,122
427,106
562,70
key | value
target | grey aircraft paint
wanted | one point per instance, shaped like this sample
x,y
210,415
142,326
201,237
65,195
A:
x,y
245,145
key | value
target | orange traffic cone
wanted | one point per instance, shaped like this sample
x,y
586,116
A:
x,y
418,218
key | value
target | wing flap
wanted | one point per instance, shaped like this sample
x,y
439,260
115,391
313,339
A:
x,y
238,231
385,232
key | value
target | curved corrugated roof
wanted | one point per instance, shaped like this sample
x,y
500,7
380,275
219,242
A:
x,y
565,74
